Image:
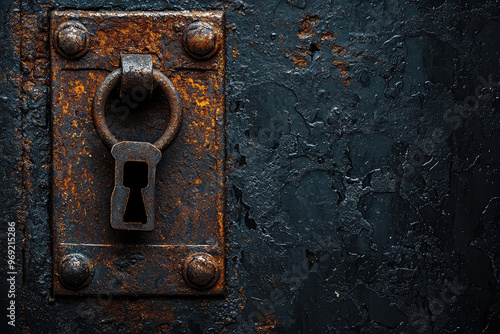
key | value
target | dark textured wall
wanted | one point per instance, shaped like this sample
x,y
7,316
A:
x,y
363,186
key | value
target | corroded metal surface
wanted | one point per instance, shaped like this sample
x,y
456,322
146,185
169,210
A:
x,y
201,271
71,39
75,271
189,187
200,40
137,74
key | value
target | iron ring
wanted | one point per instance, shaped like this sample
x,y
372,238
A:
x,y
102,94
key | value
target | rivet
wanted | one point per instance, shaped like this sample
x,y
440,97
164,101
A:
x,y
71,39
75,271
200,40
201,271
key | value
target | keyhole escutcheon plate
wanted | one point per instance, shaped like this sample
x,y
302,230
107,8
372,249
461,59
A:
x,y
182,251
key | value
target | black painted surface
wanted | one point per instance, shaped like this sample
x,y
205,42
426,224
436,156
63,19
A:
x,y
364,201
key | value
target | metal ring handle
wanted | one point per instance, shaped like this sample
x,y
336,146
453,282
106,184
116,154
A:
x,y
102,95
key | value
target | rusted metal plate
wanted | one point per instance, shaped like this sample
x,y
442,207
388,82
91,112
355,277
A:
x,y
184,254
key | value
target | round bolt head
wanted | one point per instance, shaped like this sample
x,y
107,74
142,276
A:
x,y
201,271
200,40
71,39
75,271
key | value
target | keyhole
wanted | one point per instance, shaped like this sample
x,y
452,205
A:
x,y
135,177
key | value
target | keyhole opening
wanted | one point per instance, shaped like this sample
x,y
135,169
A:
x,y
135,177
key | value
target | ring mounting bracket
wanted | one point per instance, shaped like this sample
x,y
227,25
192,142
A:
x,y
86,47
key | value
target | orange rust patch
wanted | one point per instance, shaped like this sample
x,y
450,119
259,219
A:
x,y
235,52
267,324
327,36
243,298
339,51
299,58
343,67
307,26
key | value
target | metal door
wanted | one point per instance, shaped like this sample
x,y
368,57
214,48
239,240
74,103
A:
x,y
362,190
